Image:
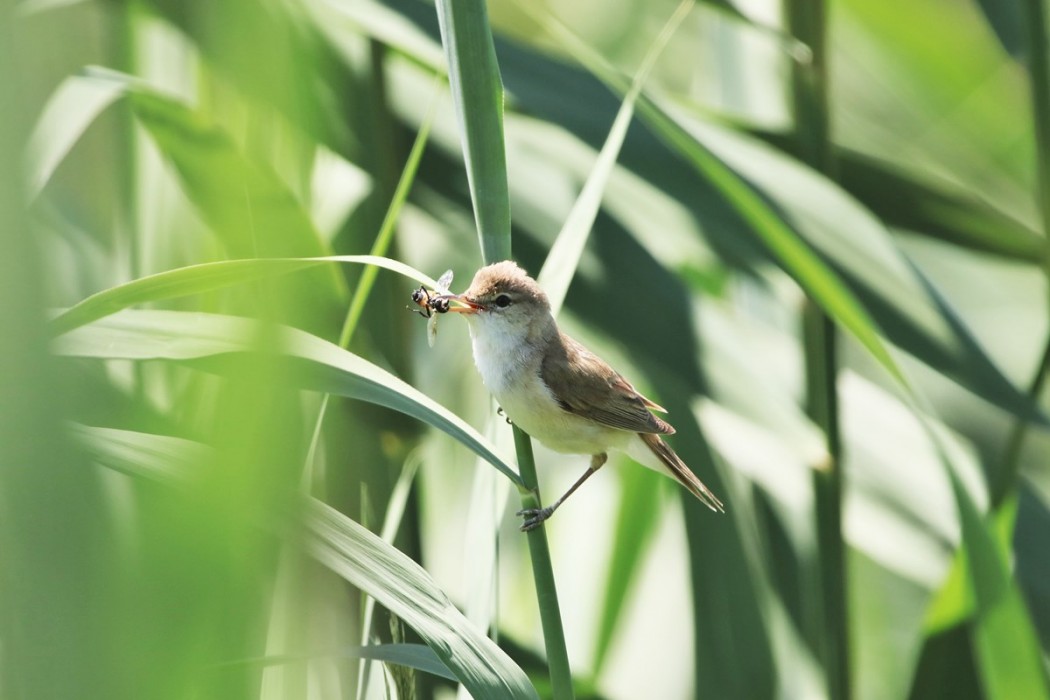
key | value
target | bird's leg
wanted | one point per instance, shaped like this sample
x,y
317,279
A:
x,y
534,517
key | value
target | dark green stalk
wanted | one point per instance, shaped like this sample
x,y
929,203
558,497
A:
x,y
807,22
1005,479
543,575
822,407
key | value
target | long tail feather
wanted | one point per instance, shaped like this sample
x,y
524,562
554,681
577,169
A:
x,y
681,472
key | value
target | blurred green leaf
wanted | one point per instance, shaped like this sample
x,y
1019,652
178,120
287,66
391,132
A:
x,y
417,656
406,589
71,109
1005,19
294,74
636,522
926,207
206,277
360,557
853,267
560,264
244,202
1007,649
214,342
160,457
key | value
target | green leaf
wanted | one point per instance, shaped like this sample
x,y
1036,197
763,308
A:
x,y
159,457
775,232
1007,648
478,96
70,110
214,342
560,264
406,589
206,277
636,523
360,557
243,201
925,206
417,656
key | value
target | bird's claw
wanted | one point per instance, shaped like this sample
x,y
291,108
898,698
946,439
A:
x,y
500,411
534,517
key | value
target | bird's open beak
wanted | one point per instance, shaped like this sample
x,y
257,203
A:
x,y
469,307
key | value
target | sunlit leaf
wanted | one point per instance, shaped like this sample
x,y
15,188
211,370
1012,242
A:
x,y
1007,648
213,342
362,558
206,277
72,108
403,587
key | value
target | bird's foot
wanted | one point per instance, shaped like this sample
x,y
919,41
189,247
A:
x,y
501,412
534,517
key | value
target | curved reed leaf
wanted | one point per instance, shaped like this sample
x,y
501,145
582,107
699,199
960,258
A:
x,y
206,277
213,342
70,110
357,555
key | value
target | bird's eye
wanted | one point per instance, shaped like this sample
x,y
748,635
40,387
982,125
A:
x,y
503,301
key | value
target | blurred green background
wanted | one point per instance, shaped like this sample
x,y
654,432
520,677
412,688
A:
x,y
822,247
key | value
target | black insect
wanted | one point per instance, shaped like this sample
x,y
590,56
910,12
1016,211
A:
x,y
432,303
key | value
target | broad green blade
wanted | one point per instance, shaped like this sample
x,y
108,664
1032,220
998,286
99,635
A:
x,y
214,342
814,229
417,656
1008,652
357,555
206,277
244,202
71,109
927,206
406,589
160,457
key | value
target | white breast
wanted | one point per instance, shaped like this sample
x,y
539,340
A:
x,y
510,369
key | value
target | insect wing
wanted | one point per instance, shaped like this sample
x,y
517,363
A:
x,y
443,282
432,330
424,299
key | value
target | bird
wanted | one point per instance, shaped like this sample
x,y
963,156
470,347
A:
x,y
555,389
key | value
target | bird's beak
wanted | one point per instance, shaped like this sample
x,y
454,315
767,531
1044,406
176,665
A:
x,y
469,307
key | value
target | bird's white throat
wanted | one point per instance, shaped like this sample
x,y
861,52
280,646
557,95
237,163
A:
x,y
502,354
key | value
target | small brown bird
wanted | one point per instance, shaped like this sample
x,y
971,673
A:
x,y
555,389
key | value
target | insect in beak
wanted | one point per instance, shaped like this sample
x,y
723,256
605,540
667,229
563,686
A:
x,y
469,307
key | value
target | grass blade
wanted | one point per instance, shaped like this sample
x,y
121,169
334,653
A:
x,y
1006,645
214,342
207,277
357,555
560,264
406,589
70,110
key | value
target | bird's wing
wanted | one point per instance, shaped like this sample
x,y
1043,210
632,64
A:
x,y
598,391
